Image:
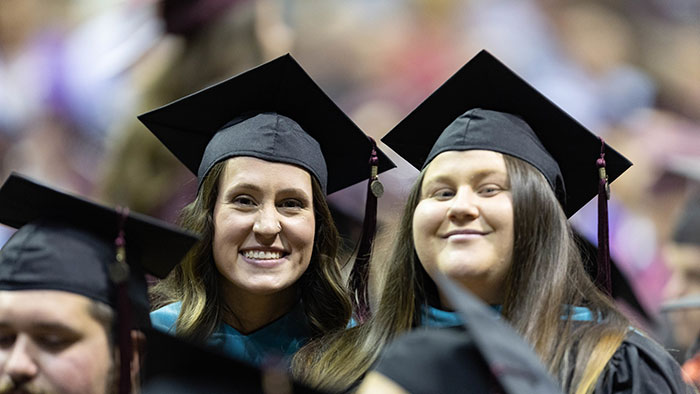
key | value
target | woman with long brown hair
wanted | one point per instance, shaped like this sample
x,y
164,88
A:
x,y
489,210
267,146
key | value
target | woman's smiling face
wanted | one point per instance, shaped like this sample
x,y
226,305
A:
x,y
463,223
264,225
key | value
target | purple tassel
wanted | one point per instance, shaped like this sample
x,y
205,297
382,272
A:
x,y
603,274
359,276
119,273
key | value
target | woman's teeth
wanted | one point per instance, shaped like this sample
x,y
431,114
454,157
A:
x,y
260,255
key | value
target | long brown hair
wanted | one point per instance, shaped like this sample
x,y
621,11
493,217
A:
x,y
195,281
546,275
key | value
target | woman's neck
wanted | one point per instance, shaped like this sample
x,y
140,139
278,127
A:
x,y
487,297
248,312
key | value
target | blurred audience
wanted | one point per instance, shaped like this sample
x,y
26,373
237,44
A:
x,y
74,74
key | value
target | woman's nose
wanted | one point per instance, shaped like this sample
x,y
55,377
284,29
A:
x,y
464,205
267,223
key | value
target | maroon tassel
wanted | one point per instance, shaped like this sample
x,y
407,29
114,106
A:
x,y
359,276
603,274
119,273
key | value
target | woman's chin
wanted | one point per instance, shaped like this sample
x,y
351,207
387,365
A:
x,y
463,270
265,287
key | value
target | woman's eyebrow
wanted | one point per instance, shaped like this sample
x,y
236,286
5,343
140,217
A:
x,y
478,175
231,189
293,190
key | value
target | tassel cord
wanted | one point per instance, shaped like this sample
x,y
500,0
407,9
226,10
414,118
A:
x,y
603,275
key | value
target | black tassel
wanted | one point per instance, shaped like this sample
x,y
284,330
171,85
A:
x,y
359,276
603,274
119,273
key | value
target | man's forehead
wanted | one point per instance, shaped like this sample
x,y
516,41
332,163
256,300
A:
x,y
44,307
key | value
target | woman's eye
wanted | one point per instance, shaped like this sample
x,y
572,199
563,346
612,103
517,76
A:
x,y
489,190
291,203
443,194
244,201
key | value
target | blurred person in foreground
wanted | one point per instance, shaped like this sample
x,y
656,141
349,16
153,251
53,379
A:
x,y
73,300
683,290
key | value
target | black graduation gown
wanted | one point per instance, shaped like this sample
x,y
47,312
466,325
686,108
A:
x,y
443,361
449,360
641,366
436,360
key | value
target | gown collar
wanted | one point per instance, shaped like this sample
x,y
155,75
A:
x,y
434,317
277,340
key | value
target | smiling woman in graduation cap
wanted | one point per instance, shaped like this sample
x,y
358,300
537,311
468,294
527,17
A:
x,y
501,170
267,146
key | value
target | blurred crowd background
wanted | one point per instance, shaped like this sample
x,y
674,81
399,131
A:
x,y
75,73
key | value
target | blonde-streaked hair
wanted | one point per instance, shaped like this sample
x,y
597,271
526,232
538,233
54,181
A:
x,y
195,282
547,274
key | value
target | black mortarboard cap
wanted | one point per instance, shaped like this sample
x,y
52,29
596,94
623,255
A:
x,y
487,356
67,243
687,230
487,106
273,112
174,365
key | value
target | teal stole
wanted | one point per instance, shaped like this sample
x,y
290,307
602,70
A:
x,y
278,340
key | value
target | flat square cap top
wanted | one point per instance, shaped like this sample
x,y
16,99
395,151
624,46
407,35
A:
x,y
65,242
486,106
274,112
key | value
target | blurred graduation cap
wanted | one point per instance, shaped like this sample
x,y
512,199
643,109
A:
x,y
487,356
173,365
68,243
678,170
186,17
485,105
687,232
275,112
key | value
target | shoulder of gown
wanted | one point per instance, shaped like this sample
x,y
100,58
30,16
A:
x,y
641,366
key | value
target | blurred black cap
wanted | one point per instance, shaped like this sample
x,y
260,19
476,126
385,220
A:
x,y
188,16
273,112
486,106
173,365
486,355
67,243
687,230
